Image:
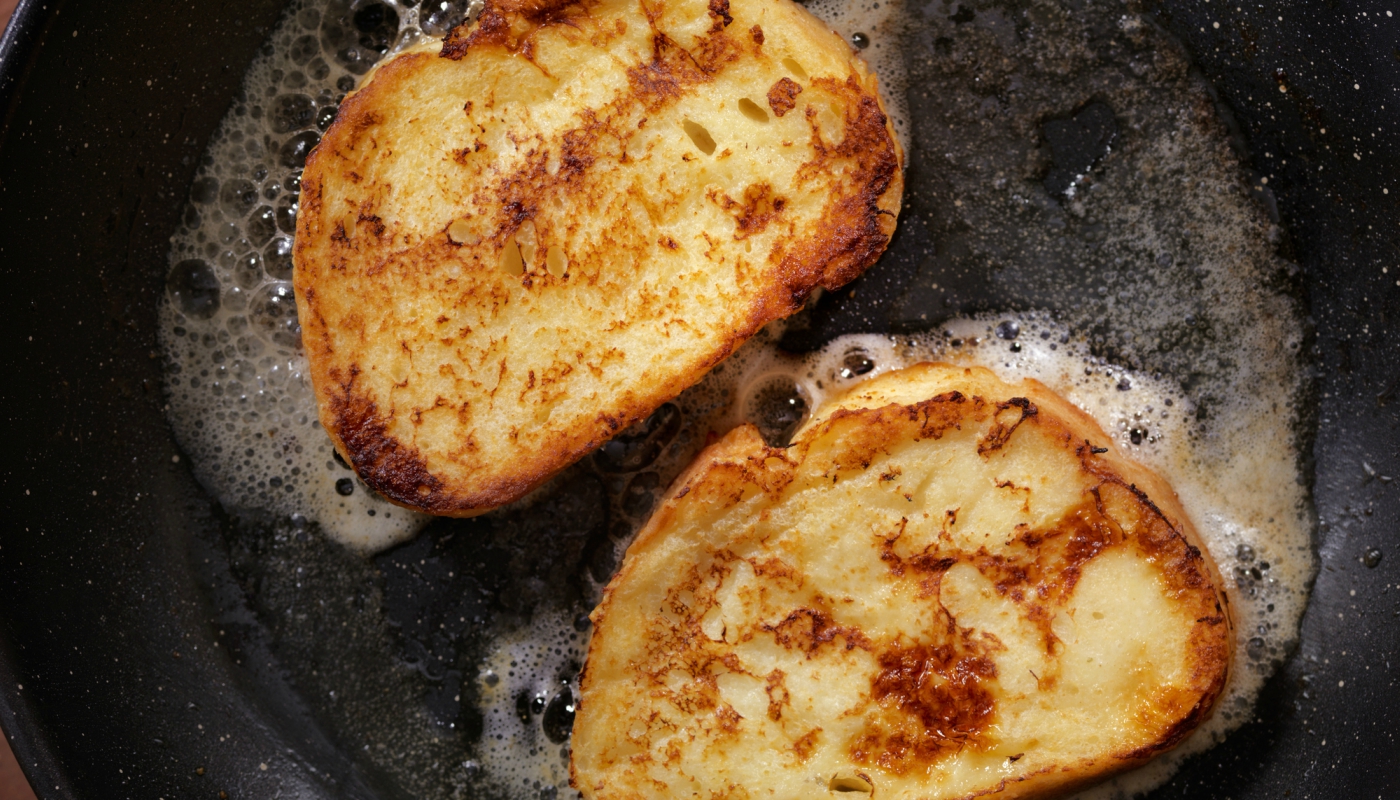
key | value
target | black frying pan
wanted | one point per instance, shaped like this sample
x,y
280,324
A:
x,y
128,599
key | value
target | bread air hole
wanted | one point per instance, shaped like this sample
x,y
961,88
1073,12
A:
x,y
528,241
460,232
795,68
849,782
556,261
700,137
511,261
752,110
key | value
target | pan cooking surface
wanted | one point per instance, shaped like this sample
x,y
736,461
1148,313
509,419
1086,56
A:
x,y
1018,121
200,646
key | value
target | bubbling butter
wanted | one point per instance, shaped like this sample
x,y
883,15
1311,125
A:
x,y
240,398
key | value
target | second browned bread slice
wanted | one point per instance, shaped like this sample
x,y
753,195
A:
x,y
948,587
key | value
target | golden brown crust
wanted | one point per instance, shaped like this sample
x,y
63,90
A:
x,y
507,253
761,572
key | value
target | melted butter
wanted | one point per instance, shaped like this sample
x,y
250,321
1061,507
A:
x,y
240,398
529,666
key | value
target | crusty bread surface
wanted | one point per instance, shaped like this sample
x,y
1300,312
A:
x,y
948,586
515,243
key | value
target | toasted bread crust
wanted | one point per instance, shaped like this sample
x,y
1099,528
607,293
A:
x,y
453,386
939,707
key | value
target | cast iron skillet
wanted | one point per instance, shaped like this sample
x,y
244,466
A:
x,y
108,662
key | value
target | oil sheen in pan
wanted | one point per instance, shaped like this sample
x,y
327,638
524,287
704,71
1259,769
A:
x,y
1063,158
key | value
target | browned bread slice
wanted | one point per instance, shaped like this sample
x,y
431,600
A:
x,y
511,249
949,586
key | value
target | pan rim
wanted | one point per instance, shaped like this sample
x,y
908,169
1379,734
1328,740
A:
x,y
29,740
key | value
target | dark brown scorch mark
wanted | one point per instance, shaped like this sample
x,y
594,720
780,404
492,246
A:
x,y
752,214
499,24
384,463
777,694
807,629
804,746
1001,432
664,79
856,234
933,697
783,96
934,700
943,412
455,45
719,9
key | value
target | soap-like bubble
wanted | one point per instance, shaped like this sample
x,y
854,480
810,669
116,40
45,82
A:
x,y
195,288
777,405
293,152
273,312
291,112
262,224
277,259
238,197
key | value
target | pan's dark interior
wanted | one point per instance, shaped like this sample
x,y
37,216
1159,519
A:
x,y
115,610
